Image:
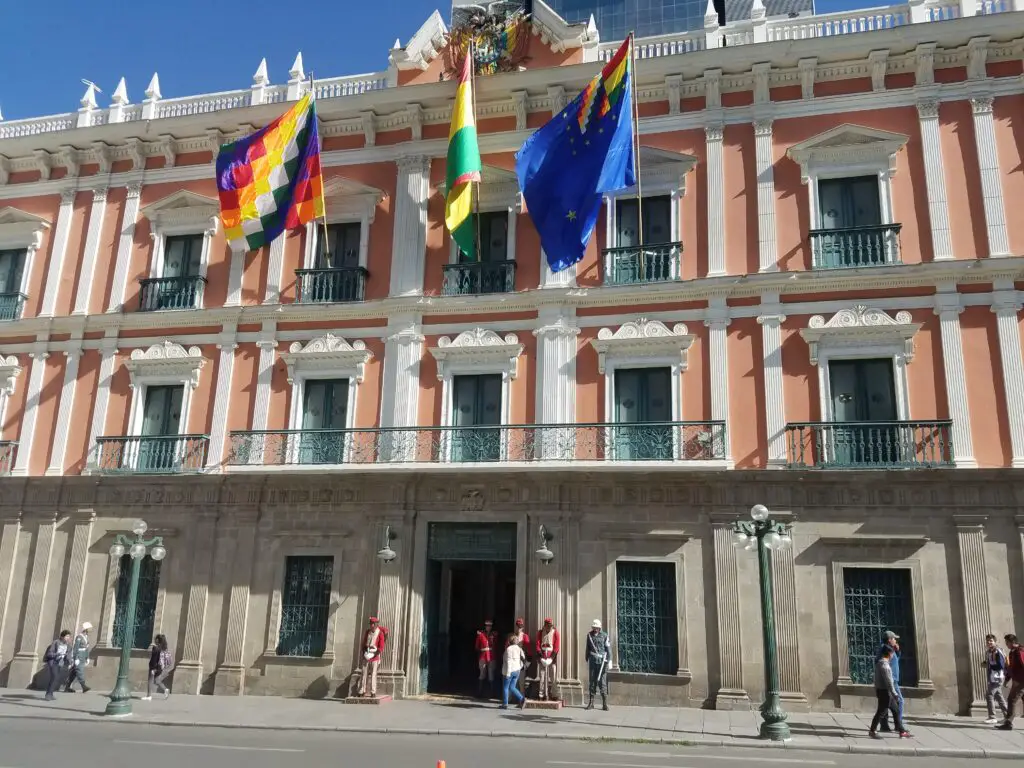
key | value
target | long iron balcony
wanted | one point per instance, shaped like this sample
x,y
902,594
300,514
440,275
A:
x,y
477,277
870,444
156,293
162,455
657,263
11,305
662,442
856,246
328,286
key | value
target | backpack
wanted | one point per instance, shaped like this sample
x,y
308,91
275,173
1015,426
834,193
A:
x,y
49,654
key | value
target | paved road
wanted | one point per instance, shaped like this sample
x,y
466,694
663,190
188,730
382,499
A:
x,y
39,744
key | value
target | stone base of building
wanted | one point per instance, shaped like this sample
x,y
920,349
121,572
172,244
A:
x,y
27,671
542,704
188,677
730,699
229,680
371,700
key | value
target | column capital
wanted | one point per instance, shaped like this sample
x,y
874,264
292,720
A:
x,y
763,126
67,196
413,163
948,304
969,522
928,109
134,190
714,132
267,343
1006,303
771,319
981,105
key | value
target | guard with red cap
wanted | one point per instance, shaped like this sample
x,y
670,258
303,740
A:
x,y
486,651
549,643
373,650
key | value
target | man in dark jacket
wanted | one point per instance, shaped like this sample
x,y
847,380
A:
x,y
56,658
892,641
1015,674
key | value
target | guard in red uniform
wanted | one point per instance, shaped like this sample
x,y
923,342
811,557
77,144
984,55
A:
x,y
549,643
486,654
373,651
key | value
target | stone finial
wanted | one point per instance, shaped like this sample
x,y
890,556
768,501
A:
x,y
153,89
89,99
260,77
757,10
397,45
296,78
1,114
297,72
120,96
711,15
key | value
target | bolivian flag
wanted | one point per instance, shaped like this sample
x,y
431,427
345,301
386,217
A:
x,y
464,164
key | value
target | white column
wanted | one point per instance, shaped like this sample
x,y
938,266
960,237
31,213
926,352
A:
x,y
948,308
57,250
556,380
31,412
64,412
264,377
716,200
124,247
410,242
935,179
548,279
717,323
403,349
771,321
221,398
108,349
991,184
1005,305
769,260
234,298
92,247
275,267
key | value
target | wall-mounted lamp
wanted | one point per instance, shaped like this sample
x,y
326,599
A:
x,y
386,553
544,554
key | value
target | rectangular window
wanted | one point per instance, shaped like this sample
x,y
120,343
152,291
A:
x,y
182,255
12,262
342,246
643,397
848,203
305,606
864,391
159,447
657,224
324,416
493,238
645,596
476,402
145,605
878,600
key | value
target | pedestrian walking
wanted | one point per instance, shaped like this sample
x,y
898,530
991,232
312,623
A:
x,y
161,662
888,695
549,643
522,638
1015,673
511,666
995,663
486,652
892,641
56,658
599,653
79,659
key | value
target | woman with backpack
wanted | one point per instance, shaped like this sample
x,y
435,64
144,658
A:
x,y
161,662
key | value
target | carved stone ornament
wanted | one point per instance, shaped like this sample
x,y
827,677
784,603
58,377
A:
x,y
182,211
9,370
861,326
643,338
847,145
327,353
166,361
19,229
478,348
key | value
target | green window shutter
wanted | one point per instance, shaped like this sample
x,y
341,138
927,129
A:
x,y
476,402
141,636
646,617
305,606
878,600
324,416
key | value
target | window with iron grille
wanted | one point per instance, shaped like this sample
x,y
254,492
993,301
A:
x,y
878,600
145,605
646,607
305,605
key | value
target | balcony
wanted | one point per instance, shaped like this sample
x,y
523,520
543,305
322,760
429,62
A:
x,y
329,286
856,246
668,443
870,445
157,293
11,306
163,455
475,278
632,265
8,453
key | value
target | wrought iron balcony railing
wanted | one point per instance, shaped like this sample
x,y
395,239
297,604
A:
x,y
473,278
11,305
856,246
573,443
657,263
327,286
171,293
8,453
870,444
166,454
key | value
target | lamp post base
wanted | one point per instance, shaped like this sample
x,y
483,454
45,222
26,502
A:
x,y
774,727
120,704
775,731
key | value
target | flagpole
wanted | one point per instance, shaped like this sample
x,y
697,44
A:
x,y
475,192
323,216
635,117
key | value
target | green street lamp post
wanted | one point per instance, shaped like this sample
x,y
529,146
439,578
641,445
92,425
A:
x,y
766,535
120,703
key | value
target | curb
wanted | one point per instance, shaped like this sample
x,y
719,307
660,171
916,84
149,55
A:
x,y
696,741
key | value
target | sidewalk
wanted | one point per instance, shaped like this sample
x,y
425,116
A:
x,y
840,732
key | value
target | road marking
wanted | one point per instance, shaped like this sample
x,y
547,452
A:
x,y
592,764
721,757
206,746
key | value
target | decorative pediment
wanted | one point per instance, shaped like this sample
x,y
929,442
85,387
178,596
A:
x,y
643,339
327,353
478,348
19,229
347,199
9,371
183,210
166,362
423,47
560,34
499,188
848,145
660,170
861,326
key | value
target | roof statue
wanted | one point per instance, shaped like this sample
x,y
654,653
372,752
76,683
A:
x,y
499,33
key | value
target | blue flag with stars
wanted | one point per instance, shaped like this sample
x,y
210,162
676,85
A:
x,y
582,153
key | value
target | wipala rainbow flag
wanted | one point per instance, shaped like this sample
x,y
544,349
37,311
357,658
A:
x,y
464,165
270,181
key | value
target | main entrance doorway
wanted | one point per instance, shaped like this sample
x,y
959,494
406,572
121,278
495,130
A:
x,y
471,576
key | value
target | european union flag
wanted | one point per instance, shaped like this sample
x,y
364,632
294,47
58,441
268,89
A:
x,y
577,156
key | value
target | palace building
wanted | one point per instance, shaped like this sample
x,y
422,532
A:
x,y
816,307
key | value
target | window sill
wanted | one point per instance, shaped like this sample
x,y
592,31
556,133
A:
x,y
682,677
113,650
923,690
326,659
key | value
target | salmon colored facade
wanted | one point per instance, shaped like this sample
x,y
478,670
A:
x,y
816,306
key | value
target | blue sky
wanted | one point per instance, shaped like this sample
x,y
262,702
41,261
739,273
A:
x,y
194,45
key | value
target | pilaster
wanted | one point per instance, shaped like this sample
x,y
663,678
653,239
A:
x,y
410,240
237,265
403,349
787,632
108,349
549,279
390,610
9,533
64,412
935,179
188,674
775,405
26,659
730,694
264,376
717,323
125,241
81,537
970,539
714,135
58,249
28,420
275,267
92,248
766,239
556,374
991,181
948,307
230,676
225,367
1006,305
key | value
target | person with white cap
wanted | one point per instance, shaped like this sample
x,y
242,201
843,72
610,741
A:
x,y
599,653
79,659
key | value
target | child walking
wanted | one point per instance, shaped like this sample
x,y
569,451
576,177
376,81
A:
x,y
161,662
